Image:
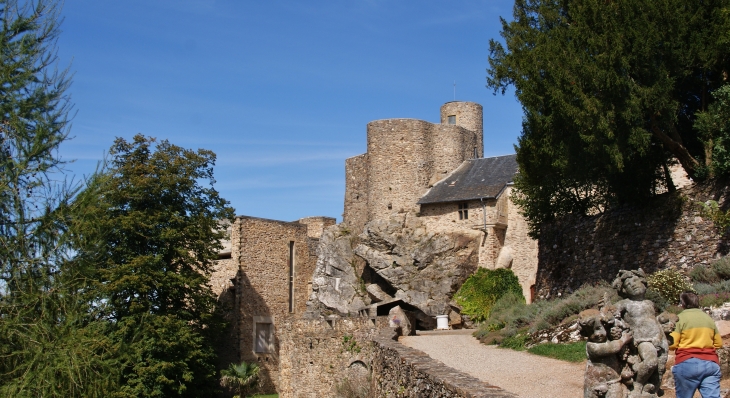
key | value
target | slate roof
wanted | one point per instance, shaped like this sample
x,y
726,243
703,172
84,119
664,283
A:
x,y
474,179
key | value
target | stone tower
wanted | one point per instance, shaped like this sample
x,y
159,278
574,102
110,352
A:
x,y
404,157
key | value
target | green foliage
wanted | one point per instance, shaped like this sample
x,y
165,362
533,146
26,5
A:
x,y
660,303
350,345
669,284
714,300
719,217
147,229
571,352
703,274
713,126
610,91
240,377
510,316
712,288
480,291
50,343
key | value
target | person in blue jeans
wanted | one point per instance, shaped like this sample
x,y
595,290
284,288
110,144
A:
x,y
696,338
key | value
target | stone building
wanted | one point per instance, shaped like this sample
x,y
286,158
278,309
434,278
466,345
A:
x,y
264,276
437,172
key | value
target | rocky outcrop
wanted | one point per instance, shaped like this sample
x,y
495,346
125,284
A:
x,y
403,261
336,284
423,267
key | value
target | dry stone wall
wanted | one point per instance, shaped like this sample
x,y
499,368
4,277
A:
x,y
316,225
519,248
468,115
670,232
318,355
400,371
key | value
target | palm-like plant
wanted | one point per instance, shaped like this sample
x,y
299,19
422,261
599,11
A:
x,y
240,377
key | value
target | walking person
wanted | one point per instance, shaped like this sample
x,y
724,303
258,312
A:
x,y
695,337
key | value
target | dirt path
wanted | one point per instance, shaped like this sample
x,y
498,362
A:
x,y
527,375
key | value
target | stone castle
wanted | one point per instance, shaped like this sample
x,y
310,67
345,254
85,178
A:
x,y
431,174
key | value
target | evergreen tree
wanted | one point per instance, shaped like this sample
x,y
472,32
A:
x,y
610,92
149,227
49,345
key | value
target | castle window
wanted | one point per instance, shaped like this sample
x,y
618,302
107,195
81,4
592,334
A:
x,y
452,119
463,211
263,335
291,276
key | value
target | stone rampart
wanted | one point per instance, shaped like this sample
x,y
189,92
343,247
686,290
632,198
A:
x,y
319,355
316,225
400,371
669,232
356,193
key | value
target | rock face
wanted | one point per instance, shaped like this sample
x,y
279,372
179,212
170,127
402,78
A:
x,y
403,261
336,285
424,268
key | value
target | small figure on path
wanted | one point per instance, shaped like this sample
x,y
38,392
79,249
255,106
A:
x,y
696,363
603,368
649,339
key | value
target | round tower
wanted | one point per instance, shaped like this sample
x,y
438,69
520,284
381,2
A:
x,y
468,115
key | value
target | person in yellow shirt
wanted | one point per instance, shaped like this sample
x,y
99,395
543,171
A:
x,y
696,338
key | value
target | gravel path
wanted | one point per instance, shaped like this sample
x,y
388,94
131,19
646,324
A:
x,y
527,375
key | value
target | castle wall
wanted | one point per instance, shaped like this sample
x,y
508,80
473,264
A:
x,y
403,157
506,244
356,193
318,355
316,225
399,165
261,249
469,115
669,232
519,247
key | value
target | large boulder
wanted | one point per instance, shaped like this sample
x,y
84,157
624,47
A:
x,y
336,285
425,268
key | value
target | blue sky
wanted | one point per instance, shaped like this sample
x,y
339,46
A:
x,y
281,91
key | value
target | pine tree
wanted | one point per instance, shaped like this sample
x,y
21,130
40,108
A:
x,y
49,344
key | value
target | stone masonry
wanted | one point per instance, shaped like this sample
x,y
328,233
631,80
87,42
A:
x,y
669,232
264,278
403,156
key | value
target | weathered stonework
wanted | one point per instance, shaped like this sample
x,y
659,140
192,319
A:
x,y
400,371
265,255
403,155
319,354
669,232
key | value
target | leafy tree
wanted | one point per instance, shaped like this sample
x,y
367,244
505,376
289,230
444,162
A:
x,y
482,289
610,92
49,344
149,227
240,377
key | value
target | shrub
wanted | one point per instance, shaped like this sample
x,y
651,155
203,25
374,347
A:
x,y
669,284
659,302
722,268
714,300
712,288
480,291
704,274
516,342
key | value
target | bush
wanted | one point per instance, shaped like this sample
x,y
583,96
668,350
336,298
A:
x,y
669,284
511,317
712,288
714,300
660,302
516,342
704,274
722,268
480,292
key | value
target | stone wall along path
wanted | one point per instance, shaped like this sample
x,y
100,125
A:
x,y
524,374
